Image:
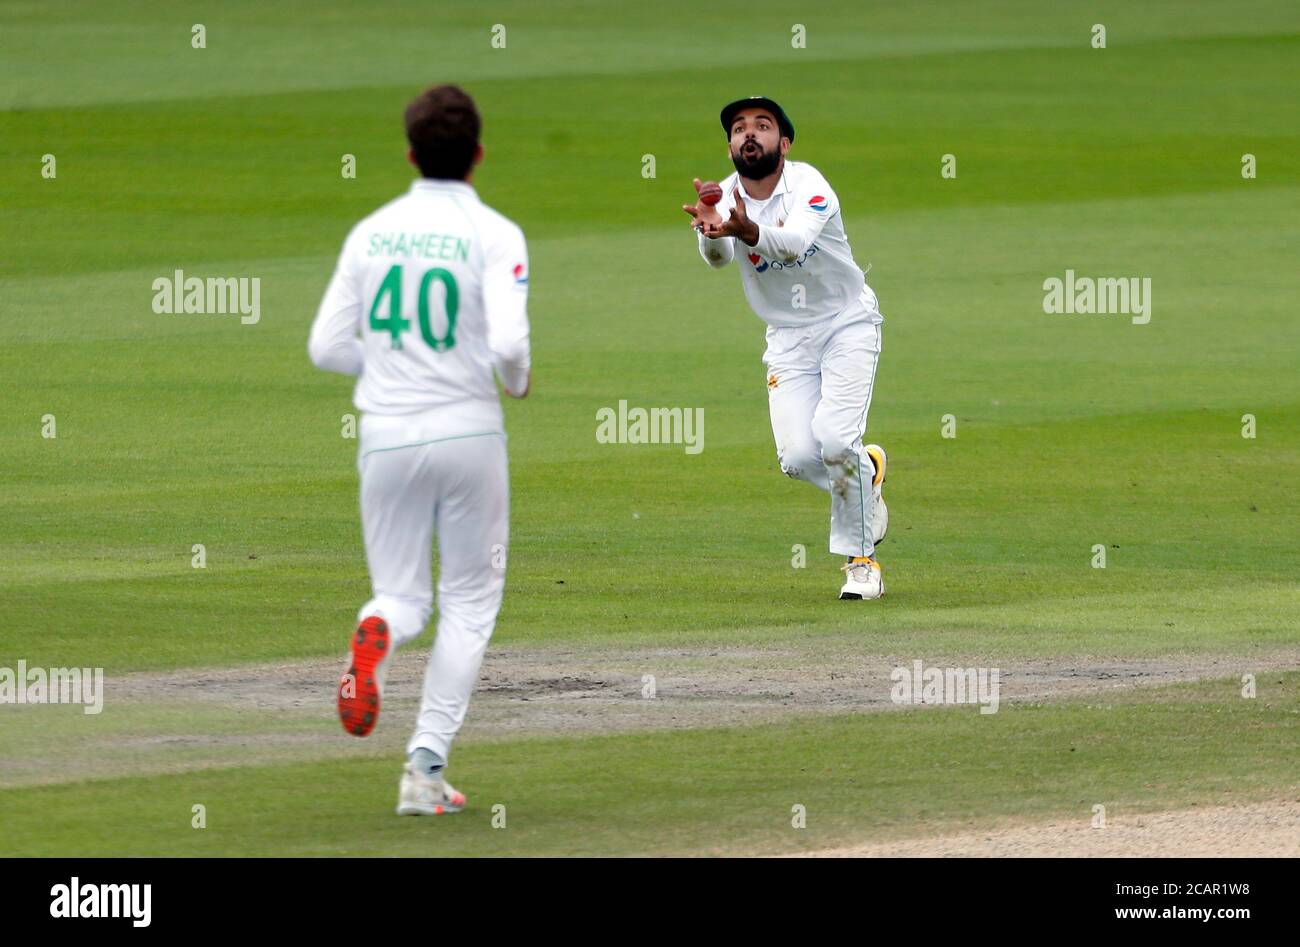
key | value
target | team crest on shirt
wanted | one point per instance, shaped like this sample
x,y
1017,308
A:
x,y
521,275
818,203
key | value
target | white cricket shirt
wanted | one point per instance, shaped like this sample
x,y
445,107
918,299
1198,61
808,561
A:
x,y
801,242
428,299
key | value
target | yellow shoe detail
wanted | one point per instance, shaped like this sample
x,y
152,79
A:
x,y
878,460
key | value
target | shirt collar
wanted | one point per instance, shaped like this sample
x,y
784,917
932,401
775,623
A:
x,y
442,186
783,185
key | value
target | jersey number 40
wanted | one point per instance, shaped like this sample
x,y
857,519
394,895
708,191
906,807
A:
x,y
395,324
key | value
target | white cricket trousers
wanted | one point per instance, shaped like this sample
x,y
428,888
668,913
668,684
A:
x,y
819,384
457,489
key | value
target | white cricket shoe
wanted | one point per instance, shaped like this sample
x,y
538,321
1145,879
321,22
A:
x,y
422,794
862,579
879,512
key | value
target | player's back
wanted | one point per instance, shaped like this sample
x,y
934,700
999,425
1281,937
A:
x,y
418,266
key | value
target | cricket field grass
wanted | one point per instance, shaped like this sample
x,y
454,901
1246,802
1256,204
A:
x,y
1100,508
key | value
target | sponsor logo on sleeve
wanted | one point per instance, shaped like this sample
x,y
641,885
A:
x,y
818,203
521,275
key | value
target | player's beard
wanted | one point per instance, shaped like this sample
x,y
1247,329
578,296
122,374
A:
x,y
758,167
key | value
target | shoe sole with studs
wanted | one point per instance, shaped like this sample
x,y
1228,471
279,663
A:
x,y
359,687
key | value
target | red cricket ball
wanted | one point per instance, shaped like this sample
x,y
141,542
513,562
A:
x,y
710,193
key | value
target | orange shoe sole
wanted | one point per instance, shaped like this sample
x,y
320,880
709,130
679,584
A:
x,y
359,687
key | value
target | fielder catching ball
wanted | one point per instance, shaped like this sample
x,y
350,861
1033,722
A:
x,y
823,324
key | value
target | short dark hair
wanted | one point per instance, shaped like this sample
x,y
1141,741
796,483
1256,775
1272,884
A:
x,y
443,125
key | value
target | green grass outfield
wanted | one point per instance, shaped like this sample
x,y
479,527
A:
x,y
1072,431
713,791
